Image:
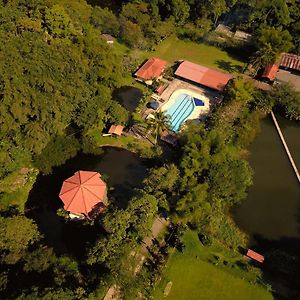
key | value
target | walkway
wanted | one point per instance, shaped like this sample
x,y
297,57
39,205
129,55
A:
x,y
285,146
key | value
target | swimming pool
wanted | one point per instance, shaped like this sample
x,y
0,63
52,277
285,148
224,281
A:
x,y
180,110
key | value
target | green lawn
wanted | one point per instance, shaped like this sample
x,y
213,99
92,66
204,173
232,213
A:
x,y
194,278
173,49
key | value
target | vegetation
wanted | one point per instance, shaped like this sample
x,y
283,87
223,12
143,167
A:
x,y
192,274
56,98
159,123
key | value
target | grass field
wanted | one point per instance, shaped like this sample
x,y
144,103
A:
x,y
173,49
194,278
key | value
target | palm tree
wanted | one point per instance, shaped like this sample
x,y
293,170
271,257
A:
x,y
159,123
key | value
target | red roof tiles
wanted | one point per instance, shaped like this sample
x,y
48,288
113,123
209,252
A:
x,y
82,191
255,256
291,61
153,68
208,77
270,71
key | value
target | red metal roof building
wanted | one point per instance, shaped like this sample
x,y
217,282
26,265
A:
x,y
290,61
116,129
199,74
82,192
270,72
153,68
255,256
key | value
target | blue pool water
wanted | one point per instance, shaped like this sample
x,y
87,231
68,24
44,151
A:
x,y
180,110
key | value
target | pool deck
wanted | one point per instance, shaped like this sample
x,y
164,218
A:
x,y
177,87
177,84
167,98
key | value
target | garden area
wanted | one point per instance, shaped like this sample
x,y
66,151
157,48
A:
x,y
208,272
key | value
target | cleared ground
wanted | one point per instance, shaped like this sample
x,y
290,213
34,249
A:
x,y
173,49
194,278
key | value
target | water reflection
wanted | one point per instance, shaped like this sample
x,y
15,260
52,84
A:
x,y
272,207
121,169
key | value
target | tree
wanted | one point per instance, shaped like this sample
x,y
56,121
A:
x,y
16,235
271,42
118,114
39,260
217,8
273,13
132,35
287,99
229,180
58,22
159,123
105,20
59,149
180,11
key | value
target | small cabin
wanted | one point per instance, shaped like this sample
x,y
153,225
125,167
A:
x,y
108,38
255,256
116,130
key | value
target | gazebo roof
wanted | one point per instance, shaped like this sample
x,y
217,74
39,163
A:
x,y
82,192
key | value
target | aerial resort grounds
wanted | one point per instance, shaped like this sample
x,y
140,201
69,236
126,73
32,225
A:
x,y
126,153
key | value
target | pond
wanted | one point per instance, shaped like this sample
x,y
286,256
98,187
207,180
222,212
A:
x,y
121,169
271,212
272,209
128,96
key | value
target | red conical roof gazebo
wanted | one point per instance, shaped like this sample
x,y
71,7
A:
x,y
82,192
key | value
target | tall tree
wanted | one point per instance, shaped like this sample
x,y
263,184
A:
x,y
159,123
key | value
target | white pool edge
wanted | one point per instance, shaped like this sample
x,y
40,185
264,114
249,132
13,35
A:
x,y
197,111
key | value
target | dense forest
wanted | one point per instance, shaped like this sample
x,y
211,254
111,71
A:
x,y
57,80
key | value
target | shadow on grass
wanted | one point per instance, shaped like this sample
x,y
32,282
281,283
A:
x,y
229,66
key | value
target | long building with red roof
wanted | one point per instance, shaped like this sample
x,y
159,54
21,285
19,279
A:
x,y
213,79
151,69
290,61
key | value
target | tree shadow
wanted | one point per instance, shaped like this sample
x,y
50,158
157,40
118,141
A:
x,y
281,266
229,66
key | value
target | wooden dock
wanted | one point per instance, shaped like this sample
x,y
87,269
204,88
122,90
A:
x,y
285,146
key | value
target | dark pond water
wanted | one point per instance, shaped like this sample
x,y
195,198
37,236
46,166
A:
x,y
272,209
271,213
121,169
128,96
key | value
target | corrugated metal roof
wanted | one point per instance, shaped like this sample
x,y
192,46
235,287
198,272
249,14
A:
x,y
291,61
254,255
153,68
270,71
208,77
